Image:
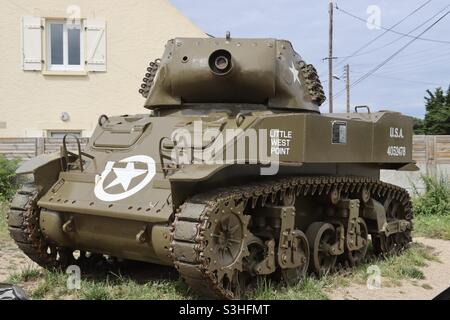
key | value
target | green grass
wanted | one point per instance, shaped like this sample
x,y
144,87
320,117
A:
x,y
128,289
53,285
393,269
436,199
27,274
432,209
309,289
45,284
437,227
408,264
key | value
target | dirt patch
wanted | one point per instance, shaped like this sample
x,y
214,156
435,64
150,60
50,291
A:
x,y
436,280
12,260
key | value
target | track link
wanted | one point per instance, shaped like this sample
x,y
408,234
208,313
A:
x,y
189,248
23,226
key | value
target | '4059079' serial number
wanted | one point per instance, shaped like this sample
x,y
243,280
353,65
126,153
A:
x,y
396,151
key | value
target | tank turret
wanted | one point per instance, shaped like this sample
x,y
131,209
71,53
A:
x,y
252,71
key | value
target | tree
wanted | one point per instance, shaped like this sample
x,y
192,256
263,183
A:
x,y
437,116
418,126
8,183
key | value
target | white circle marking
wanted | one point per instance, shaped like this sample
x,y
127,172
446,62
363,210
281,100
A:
x,y
100,192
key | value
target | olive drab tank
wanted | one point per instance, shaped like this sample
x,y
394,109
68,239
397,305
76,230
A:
x,y
232,174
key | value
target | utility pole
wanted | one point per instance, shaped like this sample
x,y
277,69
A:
x,y
330,58
347,85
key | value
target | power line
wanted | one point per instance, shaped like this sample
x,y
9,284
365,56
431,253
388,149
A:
x,y
355,54
381,35
427,50
402,79
415,63
368,74
391,30
419,66
411,61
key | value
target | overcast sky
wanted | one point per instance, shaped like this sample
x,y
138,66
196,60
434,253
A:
x,y
399,85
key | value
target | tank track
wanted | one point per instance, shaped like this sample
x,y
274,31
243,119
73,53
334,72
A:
x,y
311,80
190,254
147,81
312,83
23,226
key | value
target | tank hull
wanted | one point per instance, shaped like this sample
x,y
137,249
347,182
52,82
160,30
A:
x,y
303,144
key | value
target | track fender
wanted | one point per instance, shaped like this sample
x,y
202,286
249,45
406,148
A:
x,y
45,168
197,173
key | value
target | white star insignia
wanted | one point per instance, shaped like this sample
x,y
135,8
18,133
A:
x,y
125,175
294,73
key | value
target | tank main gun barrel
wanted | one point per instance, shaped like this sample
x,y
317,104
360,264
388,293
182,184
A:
x,y
220,62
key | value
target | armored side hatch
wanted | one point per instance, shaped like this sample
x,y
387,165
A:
x,y
122,132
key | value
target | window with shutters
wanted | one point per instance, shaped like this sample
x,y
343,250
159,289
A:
x,y
69,45
65,45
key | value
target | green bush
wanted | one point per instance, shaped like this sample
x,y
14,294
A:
x,y
436,199
8,181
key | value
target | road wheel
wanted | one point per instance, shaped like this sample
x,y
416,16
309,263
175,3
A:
x,y
321,236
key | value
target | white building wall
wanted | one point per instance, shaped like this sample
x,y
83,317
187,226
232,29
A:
x,y
31,102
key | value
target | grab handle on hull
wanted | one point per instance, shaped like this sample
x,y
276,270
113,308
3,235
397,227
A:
x,y
67,153
362,107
